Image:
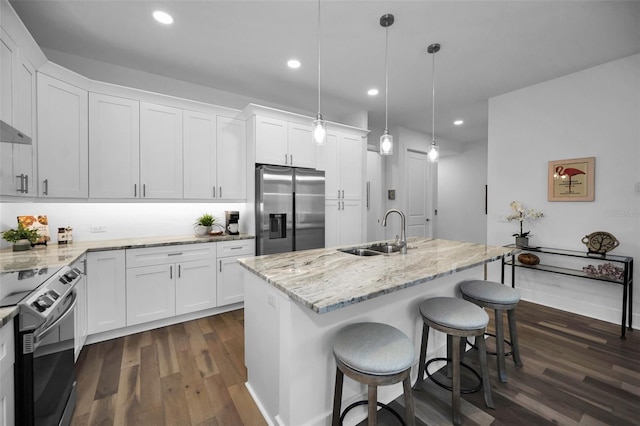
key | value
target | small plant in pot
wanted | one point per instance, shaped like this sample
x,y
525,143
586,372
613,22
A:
x,y
204,224
22,238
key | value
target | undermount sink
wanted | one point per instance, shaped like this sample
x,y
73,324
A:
x,y
373,250
385,248
360,252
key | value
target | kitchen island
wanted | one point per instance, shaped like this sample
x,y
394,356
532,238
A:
x,y
295,303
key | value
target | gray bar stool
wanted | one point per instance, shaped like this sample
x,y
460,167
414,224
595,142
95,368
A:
x,y
500,298
376,355
458,319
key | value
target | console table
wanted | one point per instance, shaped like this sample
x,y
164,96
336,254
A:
x,y
625,261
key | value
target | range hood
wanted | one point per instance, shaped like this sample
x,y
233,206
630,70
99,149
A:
x,y
8,134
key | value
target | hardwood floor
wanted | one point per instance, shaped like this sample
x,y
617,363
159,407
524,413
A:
x,y
185,374
577,371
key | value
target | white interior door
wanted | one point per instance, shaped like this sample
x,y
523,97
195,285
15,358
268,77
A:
x,y
418,195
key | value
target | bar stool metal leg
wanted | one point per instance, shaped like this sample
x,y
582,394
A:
x,y
337,398
513,332
502,373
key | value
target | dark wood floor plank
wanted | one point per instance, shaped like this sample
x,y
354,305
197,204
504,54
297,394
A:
x,y
110,371
128,398
150,386
225,410
174,401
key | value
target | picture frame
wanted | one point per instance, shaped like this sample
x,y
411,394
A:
x,y
572,179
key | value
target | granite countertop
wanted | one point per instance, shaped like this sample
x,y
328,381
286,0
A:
x,y
325,279
59,255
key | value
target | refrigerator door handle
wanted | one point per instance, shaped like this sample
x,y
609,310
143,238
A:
x,y
368,194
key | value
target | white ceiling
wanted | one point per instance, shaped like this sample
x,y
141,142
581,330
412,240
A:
x,y
488,48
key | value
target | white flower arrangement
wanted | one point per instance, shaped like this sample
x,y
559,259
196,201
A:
x,y
520,214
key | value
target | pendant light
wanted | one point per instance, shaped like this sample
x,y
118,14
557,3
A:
x,y
386,140
319,125
433,150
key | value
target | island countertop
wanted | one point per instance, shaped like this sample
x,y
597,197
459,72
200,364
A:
x,y
324,280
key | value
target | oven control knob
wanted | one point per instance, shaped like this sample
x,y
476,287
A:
x,y
42,303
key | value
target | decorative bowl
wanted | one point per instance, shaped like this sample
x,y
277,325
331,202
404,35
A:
x,y
528,259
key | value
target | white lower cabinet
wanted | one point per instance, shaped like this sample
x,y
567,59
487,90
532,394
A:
x,y
106,291
80,314
150,293
166,281
7,358
230,274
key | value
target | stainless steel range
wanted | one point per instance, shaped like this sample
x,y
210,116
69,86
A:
x,y
44,331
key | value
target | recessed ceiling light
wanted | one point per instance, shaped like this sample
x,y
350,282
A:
x,y
163,17
293,63
458,122
372,92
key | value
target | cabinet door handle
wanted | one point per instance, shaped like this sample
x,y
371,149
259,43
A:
x,y
179,271
26,184
214,192
45,190
144,190
291,159
338,193
343,194
174,254
21,190
285,159
368,194
135,190
171,272
220,261
220,192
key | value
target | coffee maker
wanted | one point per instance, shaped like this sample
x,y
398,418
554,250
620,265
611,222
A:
x,y
231,222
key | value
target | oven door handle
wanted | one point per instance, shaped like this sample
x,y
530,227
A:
x,y
42,334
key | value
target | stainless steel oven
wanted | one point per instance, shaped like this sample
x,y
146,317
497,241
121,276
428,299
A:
x,y
45,376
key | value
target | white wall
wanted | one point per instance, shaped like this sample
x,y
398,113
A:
x,y
592,113
461,195
121,220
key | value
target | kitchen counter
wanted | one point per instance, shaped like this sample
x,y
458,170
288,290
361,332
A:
x,y
55,256
58,255
327,279
296,303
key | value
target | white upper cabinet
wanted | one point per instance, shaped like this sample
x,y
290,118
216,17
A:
x,y
342,158
215,157
199,147
232,158
17,108
160,151
271,141
302,149
8,71
114,147
62,139
282,142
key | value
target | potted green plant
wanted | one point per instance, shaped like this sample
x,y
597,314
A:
x,y
22,238
204,224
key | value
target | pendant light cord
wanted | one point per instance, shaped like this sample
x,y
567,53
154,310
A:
x,y
319,57
433,97
386,80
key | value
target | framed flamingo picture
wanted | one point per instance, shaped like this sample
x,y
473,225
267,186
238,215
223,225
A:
x,y
572,180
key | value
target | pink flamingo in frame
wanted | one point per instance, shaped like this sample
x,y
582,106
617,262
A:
x,y
562,172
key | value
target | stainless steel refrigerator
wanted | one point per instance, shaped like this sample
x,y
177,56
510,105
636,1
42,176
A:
x,y
289,209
